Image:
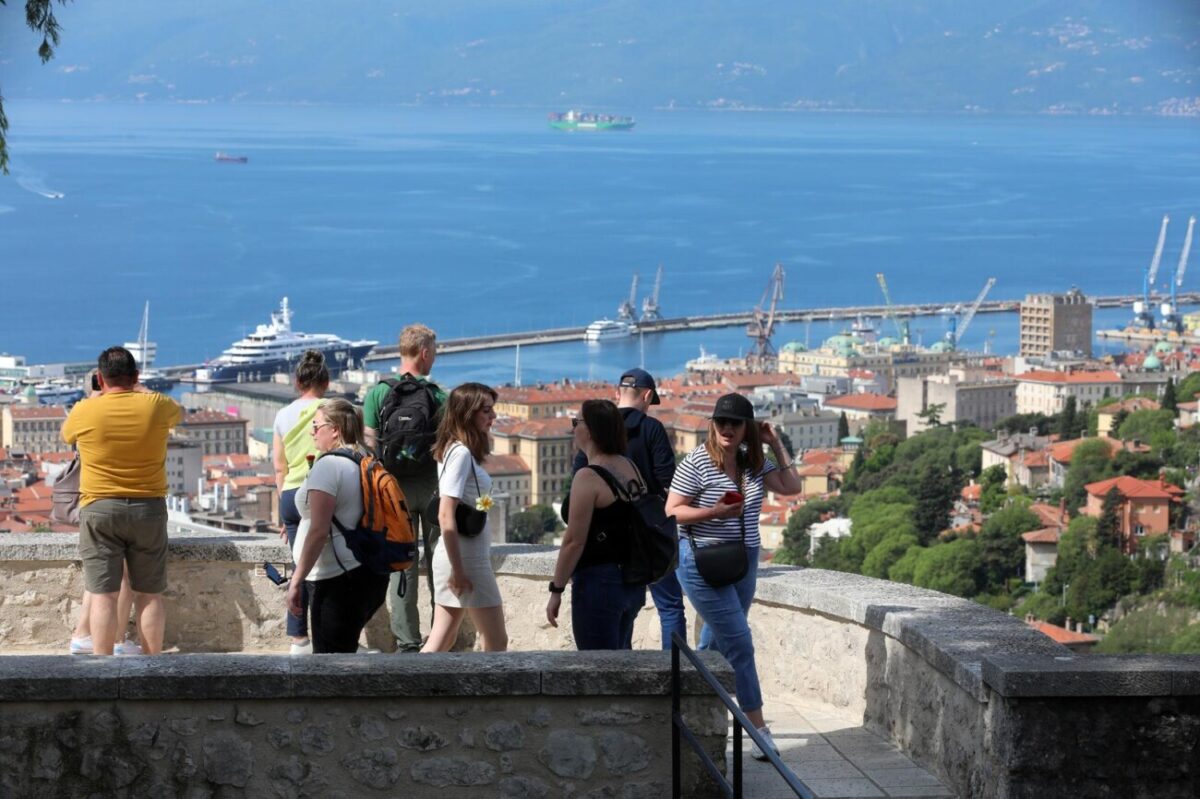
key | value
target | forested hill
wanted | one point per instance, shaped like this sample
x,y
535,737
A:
x,y
1014,56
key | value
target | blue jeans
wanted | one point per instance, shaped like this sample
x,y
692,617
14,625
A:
x,y
724,611
297,626
668,598
603,608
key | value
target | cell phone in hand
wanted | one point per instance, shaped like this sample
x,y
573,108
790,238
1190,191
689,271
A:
x,y
273,574
732,498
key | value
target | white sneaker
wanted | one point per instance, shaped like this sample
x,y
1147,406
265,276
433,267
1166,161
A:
x,y
362,650
81,646
127,647
302,649
759,754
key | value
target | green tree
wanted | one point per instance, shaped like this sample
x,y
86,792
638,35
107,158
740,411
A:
x,y
1090,462
874,515
1188,388
1169,401
886,553
843,427
992,485
526,528
1108,526
39,16
795,535
932,415
935,499
949,568
1024,422
1001,550
1153,427
902,570
1067,422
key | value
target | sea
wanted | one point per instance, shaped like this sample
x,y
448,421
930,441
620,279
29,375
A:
x,y
481,221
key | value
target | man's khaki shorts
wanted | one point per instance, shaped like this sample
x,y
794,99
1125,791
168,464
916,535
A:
x,y
113,532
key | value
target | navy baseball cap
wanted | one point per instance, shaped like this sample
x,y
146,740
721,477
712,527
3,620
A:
x,y
734,406
640,378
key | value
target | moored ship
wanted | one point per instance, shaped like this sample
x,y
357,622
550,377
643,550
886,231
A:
x,y
226,158
578,120
275,348
609,330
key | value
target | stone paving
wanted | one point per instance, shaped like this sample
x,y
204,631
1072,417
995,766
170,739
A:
x,y
834,756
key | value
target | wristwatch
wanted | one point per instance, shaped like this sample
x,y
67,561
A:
x,y
554,589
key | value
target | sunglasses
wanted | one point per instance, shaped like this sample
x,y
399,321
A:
x,y
317,427
729,422
575,420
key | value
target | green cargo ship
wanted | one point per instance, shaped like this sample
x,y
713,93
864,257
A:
x,y
577,120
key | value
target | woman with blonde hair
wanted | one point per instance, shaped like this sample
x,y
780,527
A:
x,y
343,594
463,580
291,447
716,497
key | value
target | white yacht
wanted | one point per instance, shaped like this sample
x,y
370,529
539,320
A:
x,y
610,330
276,348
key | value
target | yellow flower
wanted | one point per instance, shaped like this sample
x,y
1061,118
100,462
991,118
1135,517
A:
x,y
484,503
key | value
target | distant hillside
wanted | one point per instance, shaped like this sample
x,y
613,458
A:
x,y
1014,56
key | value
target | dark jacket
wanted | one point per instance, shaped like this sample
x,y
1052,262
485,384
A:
x,y
648,447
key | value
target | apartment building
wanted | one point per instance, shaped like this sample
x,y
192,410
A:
x,y
982,401
1047,392
218,433
33,428
1056,323
545,446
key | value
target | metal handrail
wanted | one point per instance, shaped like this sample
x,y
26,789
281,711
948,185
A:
x,y
740,722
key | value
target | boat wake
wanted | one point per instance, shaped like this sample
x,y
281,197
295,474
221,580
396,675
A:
x,y
37,185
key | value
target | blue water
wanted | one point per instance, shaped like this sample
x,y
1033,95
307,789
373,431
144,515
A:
x,y
485,221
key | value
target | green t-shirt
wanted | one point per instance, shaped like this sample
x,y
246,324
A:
x,y
379,391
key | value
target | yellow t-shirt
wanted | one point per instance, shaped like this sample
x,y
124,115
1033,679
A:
x,y
122,440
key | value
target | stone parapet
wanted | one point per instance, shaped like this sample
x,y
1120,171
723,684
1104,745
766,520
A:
x,y
520,724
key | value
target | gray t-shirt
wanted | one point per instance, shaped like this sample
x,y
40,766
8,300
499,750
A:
x,y
338,477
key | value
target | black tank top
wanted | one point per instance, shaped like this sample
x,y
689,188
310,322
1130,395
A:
x,y
608,534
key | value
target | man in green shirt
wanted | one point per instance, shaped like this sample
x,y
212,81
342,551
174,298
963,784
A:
x,y
418,349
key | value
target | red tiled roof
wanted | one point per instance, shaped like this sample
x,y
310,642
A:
x,y
863,402
740,381
232,461
1043,376
555,427
1037,459
555,394
972,493
820,456
39,412
1129,406
1131,487
1049,515
1062,635
501,464
1046,535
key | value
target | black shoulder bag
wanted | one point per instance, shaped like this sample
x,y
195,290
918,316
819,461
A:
x,y
470,521
724,563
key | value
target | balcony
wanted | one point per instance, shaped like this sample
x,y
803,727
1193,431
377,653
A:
x,y
925,682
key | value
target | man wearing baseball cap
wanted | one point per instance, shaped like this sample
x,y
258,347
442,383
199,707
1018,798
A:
x,y
649,447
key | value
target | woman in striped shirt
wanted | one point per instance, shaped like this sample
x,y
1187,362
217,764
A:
x,y
716,497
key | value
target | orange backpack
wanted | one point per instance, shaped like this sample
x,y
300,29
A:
x,y
384,539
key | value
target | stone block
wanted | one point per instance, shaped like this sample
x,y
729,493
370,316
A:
x,y
473,674
48,678
628,674
1014,676
205,677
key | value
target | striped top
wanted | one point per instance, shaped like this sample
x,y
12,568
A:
x,y
696,477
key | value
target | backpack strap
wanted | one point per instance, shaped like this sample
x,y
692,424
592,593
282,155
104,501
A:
x,y
620,492
357,457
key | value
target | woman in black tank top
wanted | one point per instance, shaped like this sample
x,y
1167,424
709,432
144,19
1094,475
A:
x,y
603,608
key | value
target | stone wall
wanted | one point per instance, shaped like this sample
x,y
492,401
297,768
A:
x,y
961,688
516,725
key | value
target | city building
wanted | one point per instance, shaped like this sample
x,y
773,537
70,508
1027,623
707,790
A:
x,y
863,408
1056,323
979,400
185,465
1010,450
810,428
1106,415
546,447
511,476
218,433
545,402
32,428
1145,507
12,371
686,430
849,357
1046,392
1041,545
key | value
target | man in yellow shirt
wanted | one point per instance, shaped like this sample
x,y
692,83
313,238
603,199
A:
x,y
121,433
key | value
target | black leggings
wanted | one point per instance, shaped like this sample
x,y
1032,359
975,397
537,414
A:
x,y
341,606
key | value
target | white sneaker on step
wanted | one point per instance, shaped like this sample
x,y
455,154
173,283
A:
x,y
302,649
81,646
759,754
127,647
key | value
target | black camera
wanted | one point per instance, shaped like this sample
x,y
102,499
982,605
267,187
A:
x,y
95,382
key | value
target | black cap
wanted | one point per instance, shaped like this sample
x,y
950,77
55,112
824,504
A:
x,y
734,406
640,378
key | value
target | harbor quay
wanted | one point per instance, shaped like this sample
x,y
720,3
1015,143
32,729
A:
x,y
905,691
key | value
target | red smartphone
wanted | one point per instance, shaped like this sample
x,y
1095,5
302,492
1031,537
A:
x,y
732,498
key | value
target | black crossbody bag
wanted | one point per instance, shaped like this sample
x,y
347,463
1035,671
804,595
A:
x,y
724,563
470,521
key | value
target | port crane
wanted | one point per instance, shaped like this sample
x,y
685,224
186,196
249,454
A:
x,y
1143,309
1171,318
902,331
650,310
959,329
627,312
762,323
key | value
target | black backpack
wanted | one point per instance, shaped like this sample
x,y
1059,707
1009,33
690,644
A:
x,y
653,538
407,425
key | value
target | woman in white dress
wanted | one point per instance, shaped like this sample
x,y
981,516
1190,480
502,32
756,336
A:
x,y
463,580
